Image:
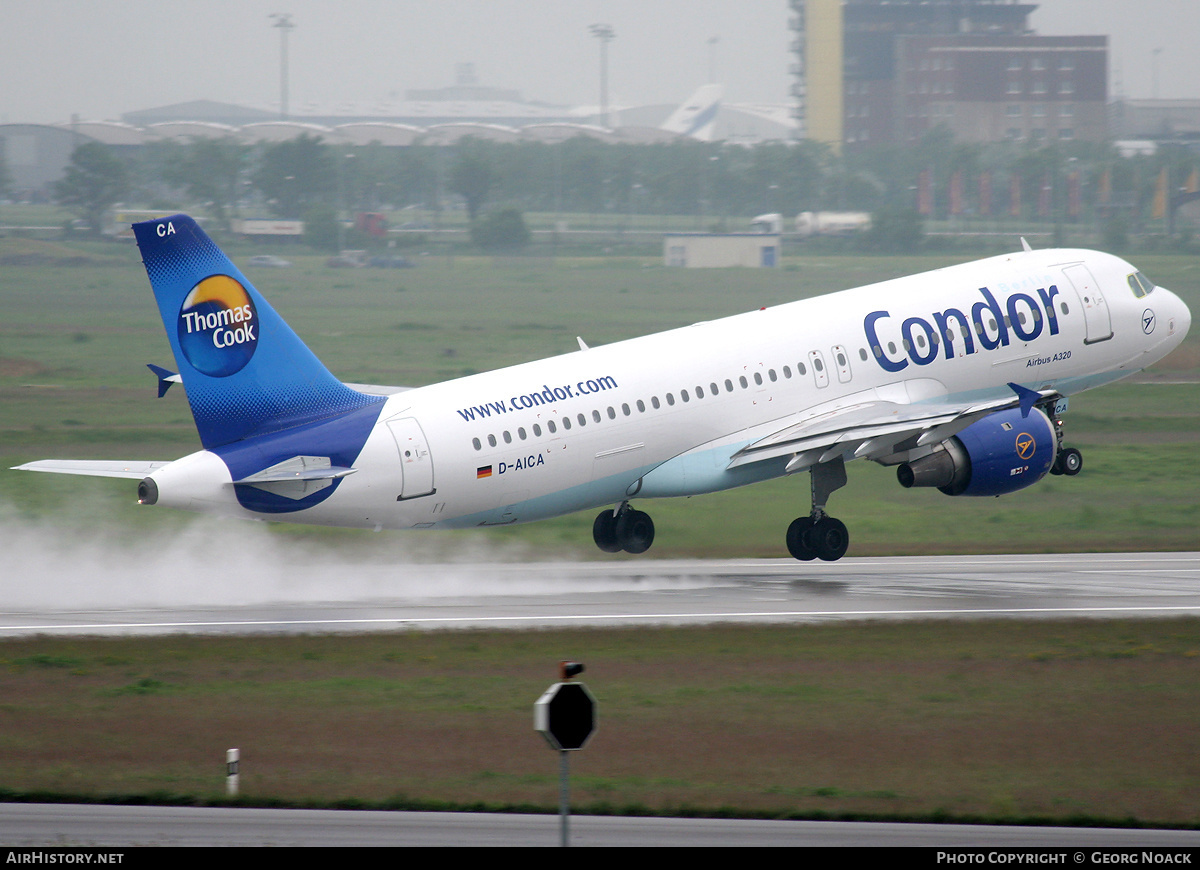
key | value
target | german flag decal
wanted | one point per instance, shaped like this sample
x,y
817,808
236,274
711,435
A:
x,y
483,471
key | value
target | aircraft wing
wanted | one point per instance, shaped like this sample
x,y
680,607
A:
x,y
93,467
872,430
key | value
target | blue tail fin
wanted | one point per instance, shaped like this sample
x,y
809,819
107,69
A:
x,y
245,371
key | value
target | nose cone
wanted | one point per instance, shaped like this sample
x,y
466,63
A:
x,y
1184,318
1173,314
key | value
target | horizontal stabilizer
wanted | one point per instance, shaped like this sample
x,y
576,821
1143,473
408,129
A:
x,y
166,377
298,468
297,477
93,468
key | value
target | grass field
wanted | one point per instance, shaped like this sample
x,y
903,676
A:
x,y
1004,721
1084,722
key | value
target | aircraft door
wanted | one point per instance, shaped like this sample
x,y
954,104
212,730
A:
x,y
415,462
1096,317
820,372
842,358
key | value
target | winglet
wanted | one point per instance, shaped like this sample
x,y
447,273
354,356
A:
x,y
1027,397
1025,245
166,377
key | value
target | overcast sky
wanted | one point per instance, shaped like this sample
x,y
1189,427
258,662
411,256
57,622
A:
x,y
100,58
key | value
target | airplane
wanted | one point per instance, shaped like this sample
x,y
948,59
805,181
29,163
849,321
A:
x,y
697,115
956,377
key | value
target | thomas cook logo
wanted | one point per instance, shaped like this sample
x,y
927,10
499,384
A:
x,y
1025,445
218,326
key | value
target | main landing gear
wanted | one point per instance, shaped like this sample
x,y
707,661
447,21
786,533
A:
x,y
818,535
623,529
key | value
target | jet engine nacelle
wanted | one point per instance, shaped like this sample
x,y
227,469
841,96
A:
x,y
1001,453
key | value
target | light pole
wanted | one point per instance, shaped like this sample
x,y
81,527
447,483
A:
x,y
605,34
283,21
341,224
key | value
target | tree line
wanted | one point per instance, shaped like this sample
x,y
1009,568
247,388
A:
x,y
719,184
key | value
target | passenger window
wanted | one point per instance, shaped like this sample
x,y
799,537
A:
x,y
491,441
507,437
477,445
641,406
550,427
566,421
612,413
582,419
654,402
521,433
596,416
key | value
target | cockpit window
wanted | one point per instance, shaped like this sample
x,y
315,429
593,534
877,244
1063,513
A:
x,y
1140,284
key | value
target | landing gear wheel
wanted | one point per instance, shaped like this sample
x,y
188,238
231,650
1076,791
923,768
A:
x,y
829,538
604,532
796,534
635,531
1072,461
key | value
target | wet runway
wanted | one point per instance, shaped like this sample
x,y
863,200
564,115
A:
x,y
648,591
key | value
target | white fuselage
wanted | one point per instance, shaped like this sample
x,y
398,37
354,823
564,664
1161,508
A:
x,y
662,415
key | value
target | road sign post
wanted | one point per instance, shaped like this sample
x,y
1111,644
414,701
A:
x,y
566,716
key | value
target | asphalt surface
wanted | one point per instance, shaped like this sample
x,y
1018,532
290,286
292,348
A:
x,y
647,592
94,826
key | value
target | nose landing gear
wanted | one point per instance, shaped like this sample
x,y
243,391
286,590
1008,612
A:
x,y
1069,461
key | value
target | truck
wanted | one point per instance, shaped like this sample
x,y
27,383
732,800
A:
x,y
831,223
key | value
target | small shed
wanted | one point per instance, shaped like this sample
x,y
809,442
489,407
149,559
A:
x,y
721,250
